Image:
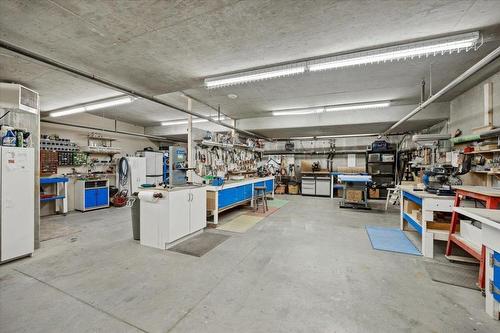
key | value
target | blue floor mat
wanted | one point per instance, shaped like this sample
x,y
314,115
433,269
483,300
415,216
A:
x,y
391,239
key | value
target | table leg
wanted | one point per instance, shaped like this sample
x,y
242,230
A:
x,y
427,243
453,225
65,200
482,272
57,204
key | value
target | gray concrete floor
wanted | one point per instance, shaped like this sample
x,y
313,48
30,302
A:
x,y
307,268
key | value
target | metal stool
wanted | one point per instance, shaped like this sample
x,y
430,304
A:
x,y
259,193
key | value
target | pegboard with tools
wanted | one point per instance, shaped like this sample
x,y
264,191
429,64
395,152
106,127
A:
x,y
224,161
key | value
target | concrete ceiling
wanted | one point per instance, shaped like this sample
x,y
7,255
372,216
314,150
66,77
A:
x,y
162,47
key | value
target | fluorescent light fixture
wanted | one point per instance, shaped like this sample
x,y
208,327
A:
x,y
185,121
302,138
294,112
330,108
92,106
430,47
357,106
404,51
345,136
251,76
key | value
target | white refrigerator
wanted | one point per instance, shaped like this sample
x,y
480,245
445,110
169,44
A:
x,y
136,175
154,167
17,202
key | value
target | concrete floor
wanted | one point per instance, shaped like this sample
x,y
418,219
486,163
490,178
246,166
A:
x,y
307,268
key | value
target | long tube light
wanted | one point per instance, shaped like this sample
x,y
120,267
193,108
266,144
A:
x,y
332,108
405,51
333,136
92,106
293,112
450,44
185,121
253,76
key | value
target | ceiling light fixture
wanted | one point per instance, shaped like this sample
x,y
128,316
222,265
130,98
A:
x,y
450,44
331,108
357,106
229,80
294,112
92,106
185,121
399,52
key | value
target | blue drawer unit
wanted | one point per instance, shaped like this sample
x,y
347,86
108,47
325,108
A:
x,y
102,197
247,192
269,185
231,196
91,194
496,276
90,198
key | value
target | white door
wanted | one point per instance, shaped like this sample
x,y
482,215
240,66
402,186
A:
x,y
159,164
17,202
137,175
179,214
198,209
150,163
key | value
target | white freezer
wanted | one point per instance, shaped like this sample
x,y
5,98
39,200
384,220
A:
x,y
17,198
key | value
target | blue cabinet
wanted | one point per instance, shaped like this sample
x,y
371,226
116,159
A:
x,y
496,276
96,197
91,194
269,185
102,197
90,198
233,195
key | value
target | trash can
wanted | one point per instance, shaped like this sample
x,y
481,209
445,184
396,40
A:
x,y
135,209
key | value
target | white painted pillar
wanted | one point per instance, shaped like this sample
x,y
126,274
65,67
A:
x,y
488,104
190,155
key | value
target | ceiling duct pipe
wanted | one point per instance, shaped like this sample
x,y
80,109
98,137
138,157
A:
x,y
112,85
480,64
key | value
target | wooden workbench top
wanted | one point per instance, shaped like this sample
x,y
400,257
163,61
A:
x,y
484,190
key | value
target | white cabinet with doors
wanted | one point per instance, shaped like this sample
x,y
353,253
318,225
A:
x,y
177,214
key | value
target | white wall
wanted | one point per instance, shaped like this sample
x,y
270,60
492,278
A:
x,y
466,110
128,145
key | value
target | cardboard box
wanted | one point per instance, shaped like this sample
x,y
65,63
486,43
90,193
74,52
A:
x,y
211,200
280,189
354,195
374,193
293,189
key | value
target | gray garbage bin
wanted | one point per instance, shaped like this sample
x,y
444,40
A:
x,y
135,209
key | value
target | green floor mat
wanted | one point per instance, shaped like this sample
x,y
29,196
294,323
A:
x,y
240,224
278,203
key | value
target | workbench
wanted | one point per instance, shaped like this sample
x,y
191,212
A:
x,y
427,203
60,197
490,235
355,183
235,193
491,198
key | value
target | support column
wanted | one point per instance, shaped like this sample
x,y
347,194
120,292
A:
x,y
190,155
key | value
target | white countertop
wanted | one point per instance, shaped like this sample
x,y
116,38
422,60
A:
x,y
232,183
490,217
